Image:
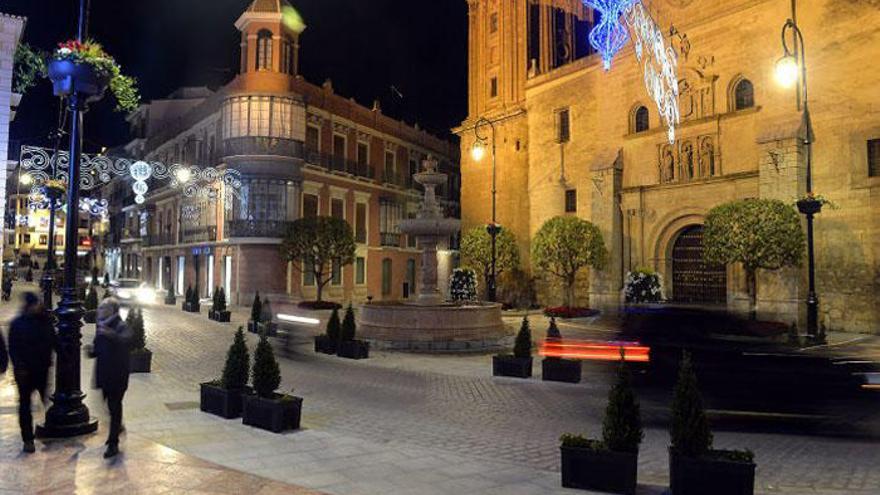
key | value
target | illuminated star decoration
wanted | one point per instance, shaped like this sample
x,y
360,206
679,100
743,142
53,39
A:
x,y
609,35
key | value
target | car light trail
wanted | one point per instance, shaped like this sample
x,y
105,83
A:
x,y
298,319
596,351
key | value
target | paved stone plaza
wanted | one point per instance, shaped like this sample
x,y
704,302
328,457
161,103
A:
x,y
404,423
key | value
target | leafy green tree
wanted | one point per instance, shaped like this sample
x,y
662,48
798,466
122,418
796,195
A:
x,y
622,428
30,67
564,245
313,244
759,233
235,371
476,252
349,327
334,326
266,375
522,347
690,428
256,308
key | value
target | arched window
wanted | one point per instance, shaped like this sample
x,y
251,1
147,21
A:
x,y
287,66
386,277
264,50
641,121
743,95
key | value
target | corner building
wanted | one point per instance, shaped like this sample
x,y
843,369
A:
x,y
574,139
302,150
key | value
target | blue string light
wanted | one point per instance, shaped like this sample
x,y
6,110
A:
x,y
609,35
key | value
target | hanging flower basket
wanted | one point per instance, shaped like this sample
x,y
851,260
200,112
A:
x,y
84,68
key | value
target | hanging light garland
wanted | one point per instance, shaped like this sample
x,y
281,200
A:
x,y
609,35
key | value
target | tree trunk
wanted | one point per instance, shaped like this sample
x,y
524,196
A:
x,y
569,291
319,285
752,288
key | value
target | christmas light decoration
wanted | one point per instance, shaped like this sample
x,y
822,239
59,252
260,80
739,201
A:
x,y
609,35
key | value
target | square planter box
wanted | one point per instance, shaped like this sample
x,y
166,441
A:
x,y
90,316
599,470
141,361
508,365
222,316
698,476
561,370
353,349
276,415
170,299
191,308
221,402
324,345
253,327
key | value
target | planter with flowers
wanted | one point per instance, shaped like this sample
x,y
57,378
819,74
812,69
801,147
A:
x,y
643,286
812,204
84,68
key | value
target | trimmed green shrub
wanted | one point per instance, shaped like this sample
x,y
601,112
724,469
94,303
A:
x,y
689,430
256,308
266,375
622,428
349,327
553,331
334,327
463,285
220,294
91,302
235,371
135,321
522,348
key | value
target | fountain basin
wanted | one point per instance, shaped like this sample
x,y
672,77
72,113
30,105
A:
x,y
440,227
440,328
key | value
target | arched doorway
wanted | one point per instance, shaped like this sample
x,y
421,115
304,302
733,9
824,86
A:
x,y
694,280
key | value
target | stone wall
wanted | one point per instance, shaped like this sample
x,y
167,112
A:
x,y
11,28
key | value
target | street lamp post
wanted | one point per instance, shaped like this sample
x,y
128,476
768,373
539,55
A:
x,y
477,153
791,70
69,416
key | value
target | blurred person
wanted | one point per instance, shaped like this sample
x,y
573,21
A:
x,y
111,350
31,342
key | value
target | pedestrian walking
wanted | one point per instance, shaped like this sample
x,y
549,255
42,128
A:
x,y
31,341
4,358
111,350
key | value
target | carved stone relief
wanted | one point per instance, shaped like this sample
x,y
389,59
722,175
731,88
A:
x,y
688,159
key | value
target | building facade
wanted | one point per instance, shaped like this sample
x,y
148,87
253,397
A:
x,y
302,150
574,139
11,29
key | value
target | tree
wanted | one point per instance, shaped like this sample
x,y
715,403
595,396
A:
x,y
564,245
235,371
313,244
622,427
349,327
266,374
690,428
522,347
476,252
553,330
759,233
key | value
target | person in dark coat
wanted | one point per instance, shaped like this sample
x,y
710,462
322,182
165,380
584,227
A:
x,y
111,350
31,341
4,358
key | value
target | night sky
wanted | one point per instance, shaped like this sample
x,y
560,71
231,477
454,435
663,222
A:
x,y
364,46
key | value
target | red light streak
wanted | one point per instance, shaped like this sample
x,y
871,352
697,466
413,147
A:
x,y
596,351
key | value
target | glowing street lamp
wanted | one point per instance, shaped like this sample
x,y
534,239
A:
x,y
787,71
183,175
478,151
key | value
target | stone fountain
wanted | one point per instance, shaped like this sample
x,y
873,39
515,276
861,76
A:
x,y
429,322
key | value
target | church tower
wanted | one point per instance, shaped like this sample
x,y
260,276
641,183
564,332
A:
x,y
270,31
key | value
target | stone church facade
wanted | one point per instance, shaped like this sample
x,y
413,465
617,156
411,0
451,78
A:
x,y
573,139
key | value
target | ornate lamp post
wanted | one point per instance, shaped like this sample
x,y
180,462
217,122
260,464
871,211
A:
x,y
69,416
791,70
478,152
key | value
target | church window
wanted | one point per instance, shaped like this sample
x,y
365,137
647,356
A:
x,y
571,201
287,56
264,50
493,87
744,95
641,121
563,125
874,158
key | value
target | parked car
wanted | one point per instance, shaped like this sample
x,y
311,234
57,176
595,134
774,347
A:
x,y
132,291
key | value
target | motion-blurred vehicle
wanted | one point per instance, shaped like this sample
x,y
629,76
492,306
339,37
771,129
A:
x,y
133,292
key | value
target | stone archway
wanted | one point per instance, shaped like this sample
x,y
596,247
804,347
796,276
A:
x,y
694,280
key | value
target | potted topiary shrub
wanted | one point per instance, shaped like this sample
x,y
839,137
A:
x,y
327,343
349,347
694,467
91,304
610,464
223,397
29,276
191,302
141,357
213,304
519,364
221,314
555,368
106,280
256,312
265,408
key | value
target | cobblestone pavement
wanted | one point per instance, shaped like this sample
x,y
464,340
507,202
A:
x,y
405,423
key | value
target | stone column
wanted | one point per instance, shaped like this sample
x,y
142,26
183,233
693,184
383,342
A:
x,y
606,284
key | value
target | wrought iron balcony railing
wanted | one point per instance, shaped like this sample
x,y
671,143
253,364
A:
x,y
164,239
389,239
333,163
202,233
273,229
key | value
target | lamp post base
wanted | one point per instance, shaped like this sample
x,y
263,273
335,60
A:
x,y
68,417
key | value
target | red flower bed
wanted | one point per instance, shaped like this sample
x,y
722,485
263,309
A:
x,y
322,305
569,312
